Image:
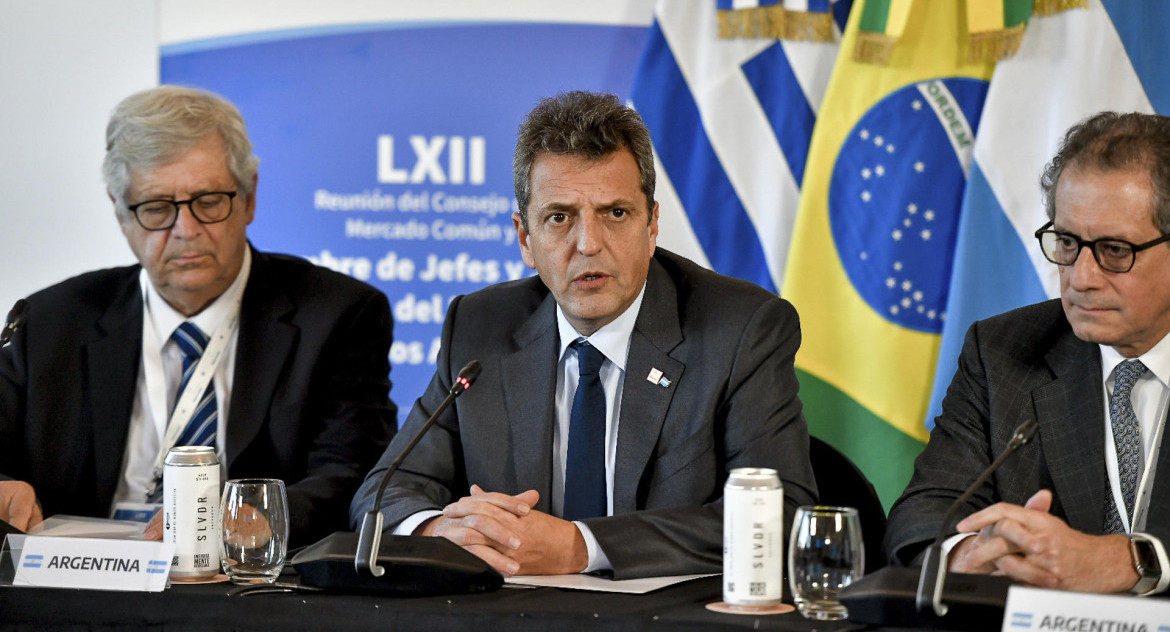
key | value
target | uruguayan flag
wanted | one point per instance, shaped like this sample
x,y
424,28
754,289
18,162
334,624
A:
x,y
1110,56
731,121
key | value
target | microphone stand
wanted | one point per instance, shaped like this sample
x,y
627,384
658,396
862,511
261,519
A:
x,y
368,562
930,582
370,536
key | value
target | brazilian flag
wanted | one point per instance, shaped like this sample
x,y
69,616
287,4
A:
x,y
870,262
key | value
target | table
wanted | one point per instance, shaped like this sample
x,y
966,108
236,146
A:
x,y
208,607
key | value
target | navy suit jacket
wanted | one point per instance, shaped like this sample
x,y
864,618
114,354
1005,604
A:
x,y
1024,364
310,396
726,345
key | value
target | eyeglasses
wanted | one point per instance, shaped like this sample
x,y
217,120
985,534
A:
x,y
208,208
1113,255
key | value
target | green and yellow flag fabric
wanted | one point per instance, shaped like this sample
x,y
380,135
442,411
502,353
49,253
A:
x,y
870,261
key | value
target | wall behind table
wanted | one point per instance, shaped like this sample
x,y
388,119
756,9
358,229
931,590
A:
x,y
64,64
386,139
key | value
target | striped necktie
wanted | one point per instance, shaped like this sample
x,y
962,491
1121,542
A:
x,y
200,429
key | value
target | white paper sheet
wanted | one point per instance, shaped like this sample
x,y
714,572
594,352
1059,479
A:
x,y
86,527
598,584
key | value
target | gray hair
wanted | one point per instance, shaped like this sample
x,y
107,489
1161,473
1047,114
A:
x,y
1111,141
587,124
155,127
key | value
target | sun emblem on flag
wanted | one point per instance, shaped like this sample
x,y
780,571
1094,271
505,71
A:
x,y
895,195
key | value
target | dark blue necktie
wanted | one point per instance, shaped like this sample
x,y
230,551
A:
x,y
585,495
200,429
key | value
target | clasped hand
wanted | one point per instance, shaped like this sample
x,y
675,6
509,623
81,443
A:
x,y
1031,546
18,505
507,533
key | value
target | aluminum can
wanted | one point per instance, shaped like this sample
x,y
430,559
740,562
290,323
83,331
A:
x,y
753,538
191,510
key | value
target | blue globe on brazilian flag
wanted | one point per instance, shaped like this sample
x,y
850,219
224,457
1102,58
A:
x,y
870,262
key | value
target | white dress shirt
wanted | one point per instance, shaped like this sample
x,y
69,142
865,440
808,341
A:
x,y
1150,397
613,341
154,397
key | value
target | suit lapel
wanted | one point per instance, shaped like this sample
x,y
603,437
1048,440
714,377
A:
x,y
1071,429
644,403
265,344
528,379
112,362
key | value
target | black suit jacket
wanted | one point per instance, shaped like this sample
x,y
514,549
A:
x,y
310,396
1024,364
726,345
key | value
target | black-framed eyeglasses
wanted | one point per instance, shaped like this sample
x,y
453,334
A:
x,y
209,208
1113,255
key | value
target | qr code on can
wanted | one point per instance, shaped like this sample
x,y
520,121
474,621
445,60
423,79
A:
x,y
758,589
202,560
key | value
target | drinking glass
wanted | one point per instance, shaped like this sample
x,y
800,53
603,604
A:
x,y
825,554
255,529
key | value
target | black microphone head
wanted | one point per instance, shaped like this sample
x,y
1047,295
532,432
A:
x,y
1024,432
466,376
16,318
16,314
470,372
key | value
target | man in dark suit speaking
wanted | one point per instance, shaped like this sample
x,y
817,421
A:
x,y
618,387
1086,505
285,364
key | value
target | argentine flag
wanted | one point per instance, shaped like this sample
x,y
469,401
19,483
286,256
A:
x,y
1110,56
731,120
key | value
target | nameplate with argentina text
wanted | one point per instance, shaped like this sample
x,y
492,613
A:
x,y
1063,611
96,563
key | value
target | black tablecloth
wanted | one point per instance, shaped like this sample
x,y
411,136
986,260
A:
x,y
208,607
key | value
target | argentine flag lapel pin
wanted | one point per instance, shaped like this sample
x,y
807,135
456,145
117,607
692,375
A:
x,y
656,377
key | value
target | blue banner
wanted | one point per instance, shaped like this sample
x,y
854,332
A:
x,y
386,151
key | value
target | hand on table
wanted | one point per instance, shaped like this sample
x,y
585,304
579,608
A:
x,y
154,528
18,505
1034,547
509,535
248,528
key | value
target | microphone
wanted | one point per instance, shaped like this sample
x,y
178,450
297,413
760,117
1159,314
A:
x,y
930,583
907,597
371,533
16,317
365,562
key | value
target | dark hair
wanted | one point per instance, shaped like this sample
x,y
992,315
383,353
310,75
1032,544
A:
x,y
587,124
1111,141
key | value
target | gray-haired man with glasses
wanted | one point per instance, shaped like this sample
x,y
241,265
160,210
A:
x,y
1086,505
285,364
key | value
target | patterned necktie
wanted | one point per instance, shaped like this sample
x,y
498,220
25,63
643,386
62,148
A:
x,y
1127,438
585,494
200,429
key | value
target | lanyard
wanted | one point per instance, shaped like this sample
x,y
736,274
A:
x,y
189,398
1141,504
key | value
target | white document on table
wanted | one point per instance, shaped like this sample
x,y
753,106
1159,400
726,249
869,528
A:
x,y
87,527
600,584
